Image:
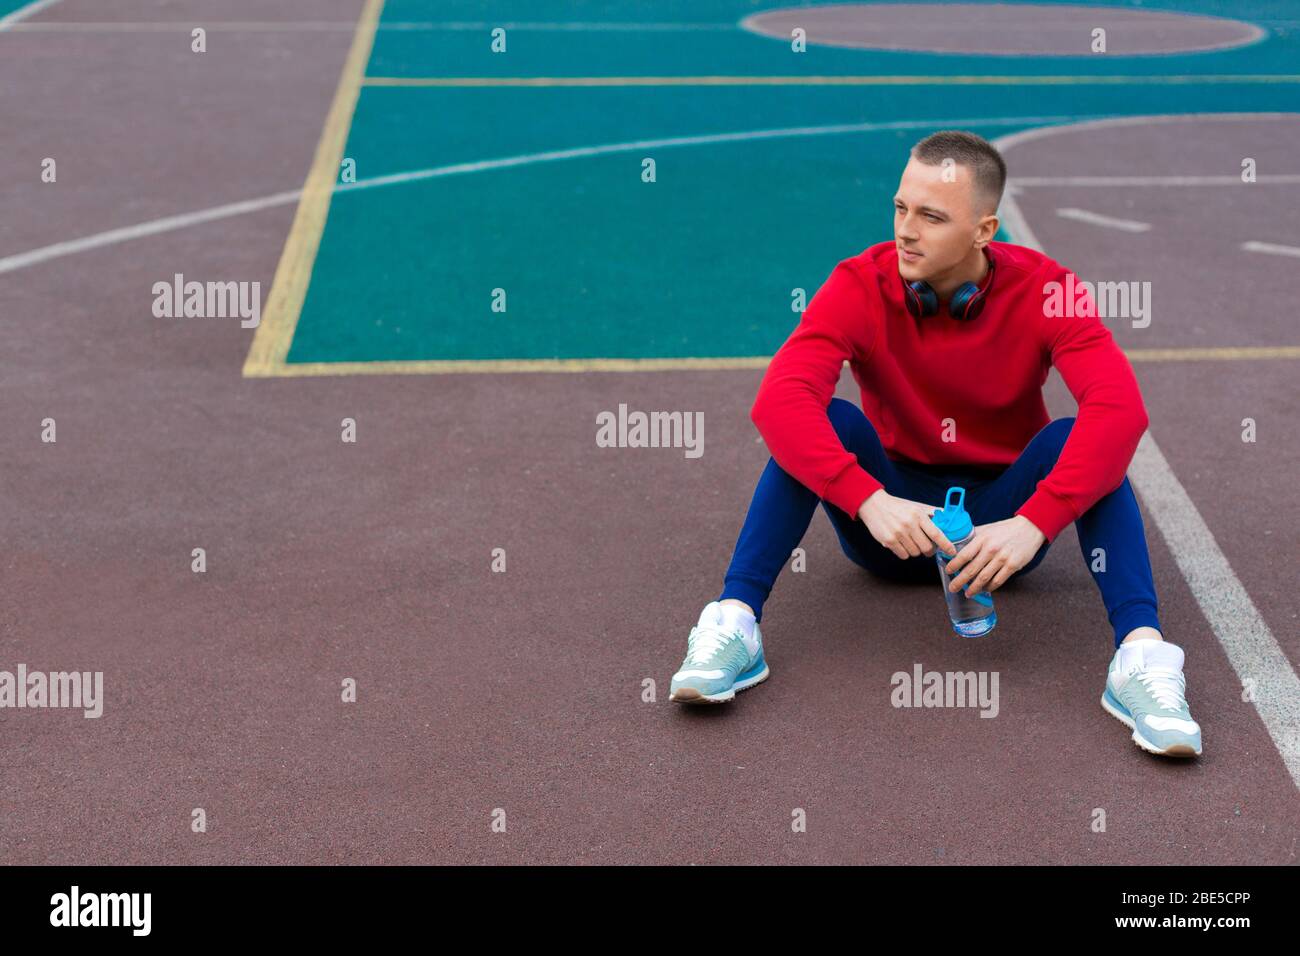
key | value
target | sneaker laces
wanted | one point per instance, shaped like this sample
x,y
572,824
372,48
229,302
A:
x,y
1166,685
704,643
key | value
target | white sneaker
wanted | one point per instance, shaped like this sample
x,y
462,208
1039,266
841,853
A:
x,y
724,654
1145,691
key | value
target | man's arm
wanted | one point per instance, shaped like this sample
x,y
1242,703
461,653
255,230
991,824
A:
x,y
790,409
1107,428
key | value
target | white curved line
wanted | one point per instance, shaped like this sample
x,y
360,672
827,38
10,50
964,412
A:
x,y
1009,212
1110,122
152,228
167,224
22,13
1282,179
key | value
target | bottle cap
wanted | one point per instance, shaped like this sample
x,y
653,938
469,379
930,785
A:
x,y
952,518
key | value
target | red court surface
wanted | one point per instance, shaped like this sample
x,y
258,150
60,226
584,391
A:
x,y
523,690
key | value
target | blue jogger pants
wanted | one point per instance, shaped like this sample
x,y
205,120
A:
x,y
782,509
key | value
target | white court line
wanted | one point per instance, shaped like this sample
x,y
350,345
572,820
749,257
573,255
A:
x,y
152,228
1097,219
1013,220
581,25
1111,122
1251,647
185,26
22,13
170,223
1281,178
348,26
1270,247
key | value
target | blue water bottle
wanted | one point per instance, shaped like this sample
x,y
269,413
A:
x,y
971,616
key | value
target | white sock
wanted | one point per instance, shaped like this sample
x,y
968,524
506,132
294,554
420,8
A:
x,y
737,618
1148,652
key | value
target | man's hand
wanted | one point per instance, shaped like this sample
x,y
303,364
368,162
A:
x,y
903,526
996,552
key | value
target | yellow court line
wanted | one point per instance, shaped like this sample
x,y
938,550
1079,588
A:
x,y
1214,354
274,334
462,81
270,348
450,366
496,366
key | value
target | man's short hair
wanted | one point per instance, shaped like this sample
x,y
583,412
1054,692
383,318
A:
x,y
974,152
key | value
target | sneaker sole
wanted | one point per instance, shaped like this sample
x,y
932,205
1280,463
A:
x,y
689,695
1177,750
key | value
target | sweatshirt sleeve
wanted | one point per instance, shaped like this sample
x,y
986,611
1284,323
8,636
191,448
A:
x,y
1110,420
790,409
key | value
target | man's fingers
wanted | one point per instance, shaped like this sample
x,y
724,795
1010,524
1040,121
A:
x,y
982,580
903,542
971,549
1001,578
894,544
975,565
938,537
917,535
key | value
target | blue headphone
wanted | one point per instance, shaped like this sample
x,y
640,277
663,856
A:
x,y
965,305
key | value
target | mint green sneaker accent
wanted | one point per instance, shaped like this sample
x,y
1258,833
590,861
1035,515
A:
x,y
1151,701
718,662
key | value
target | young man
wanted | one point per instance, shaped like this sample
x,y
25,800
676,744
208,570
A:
x,y
950,338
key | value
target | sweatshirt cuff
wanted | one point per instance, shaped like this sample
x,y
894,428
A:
x,y
850,488
1048,514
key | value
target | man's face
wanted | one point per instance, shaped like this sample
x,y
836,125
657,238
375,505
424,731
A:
x,y
937,219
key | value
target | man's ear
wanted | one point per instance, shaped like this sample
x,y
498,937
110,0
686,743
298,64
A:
x,y
986,230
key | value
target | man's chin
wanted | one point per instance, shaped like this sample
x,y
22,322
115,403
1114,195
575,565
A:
x,y
912,271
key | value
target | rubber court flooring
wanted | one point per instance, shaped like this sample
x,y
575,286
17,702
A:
x,y
525,691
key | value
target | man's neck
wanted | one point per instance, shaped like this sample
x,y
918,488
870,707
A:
x,y
971,269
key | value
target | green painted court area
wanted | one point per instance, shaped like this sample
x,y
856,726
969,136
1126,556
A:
x,y
761,198
9,6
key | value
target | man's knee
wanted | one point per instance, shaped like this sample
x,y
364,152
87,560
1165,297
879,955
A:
x,y
844,417
1057,431
1051,439
848,420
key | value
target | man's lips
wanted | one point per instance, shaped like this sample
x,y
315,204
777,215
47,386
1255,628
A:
x,y
909,256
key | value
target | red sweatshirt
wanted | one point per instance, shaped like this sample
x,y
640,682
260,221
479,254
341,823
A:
x,y
986,375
